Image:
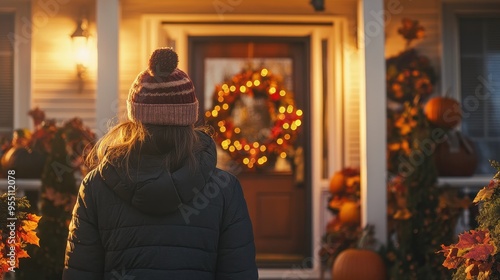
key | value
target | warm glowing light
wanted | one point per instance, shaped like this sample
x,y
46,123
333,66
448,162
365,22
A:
x,y
282,92
283,155
263,148
272,90
250,165
286,125
256,144
256,83
246,161
298,122
260,161
220,93
293,126
232,88
289,109
222,129
215,113
264,72
282,109
243,88
220,123
81,51
247,147
279,141
237,143
299,113
217,107
253,151
232,149
225,106
249,83
237,130
287,136
225,87
207,114
281,116
220,99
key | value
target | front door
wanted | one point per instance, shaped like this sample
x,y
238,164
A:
x,y
276,181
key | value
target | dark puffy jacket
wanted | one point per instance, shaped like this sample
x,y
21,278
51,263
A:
x,y
161,225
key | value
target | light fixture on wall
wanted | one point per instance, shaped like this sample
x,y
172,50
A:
x,y
81,49
318,5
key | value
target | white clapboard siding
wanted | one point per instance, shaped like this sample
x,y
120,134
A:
x,y
55,86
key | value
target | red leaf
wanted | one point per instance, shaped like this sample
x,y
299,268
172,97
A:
x,y
480,252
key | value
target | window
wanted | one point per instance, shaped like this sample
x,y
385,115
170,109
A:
x,y
6,74
471,72
479,80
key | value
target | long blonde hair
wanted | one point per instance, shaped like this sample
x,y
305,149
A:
x,y
178,143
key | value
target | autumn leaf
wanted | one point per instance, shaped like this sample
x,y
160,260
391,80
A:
x,y
452,261
21,253
33,217
480,252
31,238
29,225
486,192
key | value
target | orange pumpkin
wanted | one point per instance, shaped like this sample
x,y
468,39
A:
x,y
337,182
350,213
358,264
444,112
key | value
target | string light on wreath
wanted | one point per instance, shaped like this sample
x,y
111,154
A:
x,y
245,144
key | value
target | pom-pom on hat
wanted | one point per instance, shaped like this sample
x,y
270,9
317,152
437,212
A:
x,y
163,94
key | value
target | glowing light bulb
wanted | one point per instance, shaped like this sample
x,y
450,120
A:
x,y
264,72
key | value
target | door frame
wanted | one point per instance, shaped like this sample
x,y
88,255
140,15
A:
x,y
327,75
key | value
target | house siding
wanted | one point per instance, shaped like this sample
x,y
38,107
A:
x,y
55,86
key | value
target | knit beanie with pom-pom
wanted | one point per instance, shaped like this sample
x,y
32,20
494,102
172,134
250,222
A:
x,y
163,94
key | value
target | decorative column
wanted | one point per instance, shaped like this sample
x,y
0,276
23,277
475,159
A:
x,y
373,117
107,92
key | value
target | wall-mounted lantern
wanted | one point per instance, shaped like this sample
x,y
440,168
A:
x,y
81,48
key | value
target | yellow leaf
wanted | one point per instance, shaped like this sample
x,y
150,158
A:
x,y
484,194
29,225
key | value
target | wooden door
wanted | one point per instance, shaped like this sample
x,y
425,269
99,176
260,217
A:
x,y
278,202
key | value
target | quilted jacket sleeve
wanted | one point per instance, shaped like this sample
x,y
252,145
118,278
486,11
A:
x,y
236,250
84,258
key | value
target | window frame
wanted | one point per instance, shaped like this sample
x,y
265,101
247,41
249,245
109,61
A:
x,y
22,61
450,53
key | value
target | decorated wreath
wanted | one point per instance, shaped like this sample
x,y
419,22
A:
x,y
255,118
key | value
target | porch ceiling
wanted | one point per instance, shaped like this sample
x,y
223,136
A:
x,y
233,6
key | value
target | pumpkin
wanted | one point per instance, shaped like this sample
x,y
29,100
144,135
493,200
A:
x,y
443,112
350,213
27,163
337,182
358,264
456,156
